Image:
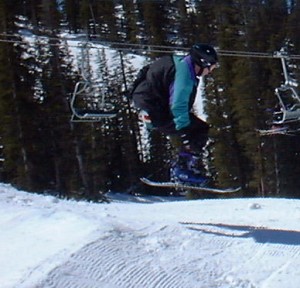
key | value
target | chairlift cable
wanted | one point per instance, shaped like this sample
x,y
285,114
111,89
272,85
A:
x,y
143,47
94,115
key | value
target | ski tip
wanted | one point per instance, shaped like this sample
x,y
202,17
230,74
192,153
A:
x,y
145,180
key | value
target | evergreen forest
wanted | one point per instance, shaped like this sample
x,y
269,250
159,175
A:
x,y
42,150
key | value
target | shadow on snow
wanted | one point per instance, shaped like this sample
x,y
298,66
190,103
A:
x,y
259,234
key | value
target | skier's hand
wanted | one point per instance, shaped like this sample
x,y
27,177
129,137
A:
x,y
185,139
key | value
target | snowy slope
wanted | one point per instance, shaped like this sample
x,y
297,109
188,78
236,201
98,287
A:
x,y
148,242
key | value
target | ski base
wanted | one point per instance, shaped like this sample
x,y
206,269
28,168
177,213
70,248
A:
x,y
182,186
281,130
274,131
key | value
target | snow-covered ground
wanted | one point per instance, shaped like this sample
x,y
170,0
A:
x,y
148,242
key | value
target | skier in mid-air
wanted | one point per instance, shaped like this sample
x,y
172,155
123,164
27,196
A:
x,y
165,93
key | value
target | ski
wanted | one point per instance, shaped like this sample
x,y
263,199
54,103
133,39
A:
x,y
274,131
280,131
183,186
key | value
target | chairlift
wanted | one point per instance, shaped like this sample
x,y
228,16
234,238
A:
x,y
88,103
288,109
89,99
289,105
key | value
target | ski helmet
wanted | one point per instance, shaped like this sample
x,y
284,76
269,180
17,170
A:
x,y
203,55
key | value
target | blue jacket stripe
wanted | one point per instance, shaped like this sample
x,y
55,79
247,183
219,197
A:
x,y
183,88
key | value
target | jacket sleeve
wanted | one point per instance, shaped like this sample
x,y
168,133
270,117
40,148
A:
x,y
183,89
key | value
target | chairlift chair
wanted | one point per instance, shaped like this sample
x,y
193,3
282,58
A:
x,y
89,99
289,102
289,105
88,103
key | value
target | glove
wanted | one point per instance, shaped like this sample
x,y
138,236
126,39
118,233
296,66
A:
x,y
185,139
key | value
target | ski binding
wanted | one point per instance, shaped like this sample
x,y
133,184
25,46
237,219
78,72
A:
x,y
182,186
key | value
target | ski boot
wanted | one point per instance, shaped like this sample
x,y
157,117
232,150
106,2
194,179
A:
x,y
186,170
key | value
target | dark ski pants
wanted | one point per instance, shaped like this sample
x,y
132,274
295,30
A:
x,y
197,133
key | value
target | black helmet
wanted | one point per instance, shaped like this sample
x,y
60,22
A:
x,y
203,55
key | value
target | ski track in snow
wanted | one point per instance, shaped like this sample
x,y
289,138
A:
x,y
183,244
130,259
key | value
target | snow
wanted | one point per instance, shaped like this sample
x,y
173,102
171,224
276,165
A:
x,y
148,242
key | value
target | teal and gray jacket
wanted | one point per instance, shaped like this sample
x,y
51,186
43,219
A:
x,y
167,92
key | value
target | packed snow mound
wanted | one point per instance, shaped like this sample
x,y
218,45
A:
x,y
148,242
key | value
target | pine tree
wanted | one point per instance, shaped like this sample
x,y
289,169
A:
x,y
103,13
237,97
154,23
129,22
17,107
72,15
